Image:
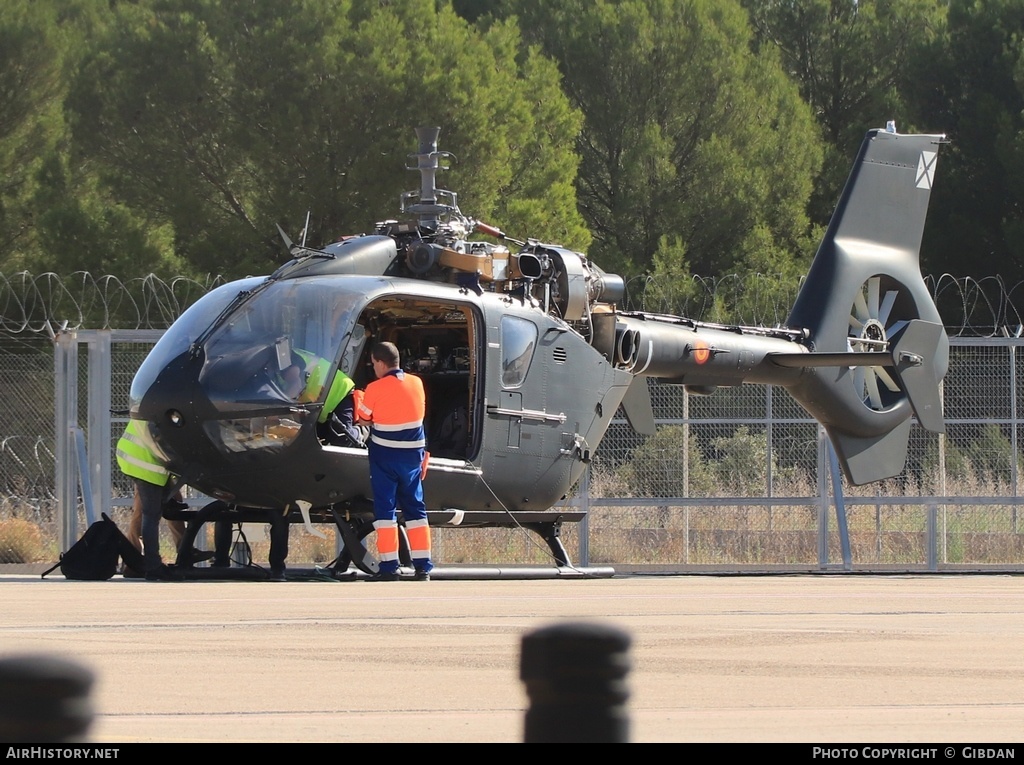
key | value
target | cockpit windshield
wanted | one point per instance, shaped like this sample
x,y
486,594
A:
x,y
185,331
281,345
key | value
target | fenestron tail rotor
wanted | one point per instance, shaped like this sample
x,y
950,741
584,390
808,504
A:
x,y
872,321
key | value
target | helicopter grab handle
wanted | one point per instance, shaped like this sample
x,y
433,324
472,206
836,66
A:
x,y
528,414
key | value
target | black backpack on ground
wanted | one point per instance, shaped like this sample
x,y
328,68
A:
x,y
94,557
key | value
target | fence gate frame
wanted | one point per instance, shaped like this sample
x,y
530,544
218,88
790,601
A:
x,y
85,464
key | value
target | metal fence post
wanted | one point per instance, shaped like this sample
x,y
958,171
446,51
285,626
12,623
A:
x,y
822,500
98,344
931,536
1013,427
768,440
65,377
584,525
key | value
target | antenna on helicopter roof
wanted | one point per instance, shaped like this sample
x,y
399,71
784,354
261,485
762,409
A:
x,y
305,229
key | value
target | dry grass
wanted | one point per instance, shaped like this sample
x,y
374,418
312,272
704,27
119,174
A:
x,y
21,541
304,549
882,530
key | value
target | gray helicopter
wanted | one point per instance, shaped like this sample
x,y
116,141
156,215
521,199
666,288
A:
x,y
526,358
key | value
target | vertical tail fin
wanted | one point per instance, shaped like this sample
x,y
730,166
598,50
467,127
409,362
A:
x,y
863,292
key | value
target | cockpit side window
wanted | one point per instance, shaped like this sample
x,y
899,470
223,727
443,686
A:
x,y
518,341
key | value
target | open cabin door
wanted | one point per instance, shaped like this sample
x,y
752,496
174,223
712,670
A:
x,y
439,341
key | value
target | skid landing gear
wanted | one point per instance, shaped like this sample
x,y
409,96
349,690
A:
x,y
355,560
354,530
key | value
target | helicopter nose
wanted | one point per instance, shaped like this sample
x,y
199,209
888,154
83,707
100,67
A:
x,y
171,405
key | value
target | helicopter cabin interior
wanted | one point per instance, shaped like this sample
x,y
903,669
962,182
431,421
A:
x,y
438,343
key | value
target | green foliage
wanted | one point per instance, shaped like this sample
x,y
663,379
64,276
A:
x,y
672,463
985,458
30,92
740,462
55,214
668,464
852,61
473,10
84,230
771,280
670,289
762,294
222,120
687,133
972,86
170,135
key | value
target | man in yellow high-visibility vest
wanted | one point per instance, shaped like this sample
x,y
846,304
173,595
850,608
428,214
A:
x,y
336,423
151,481
303,381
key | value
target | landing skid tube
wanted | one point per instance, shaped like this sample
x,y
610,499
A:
x,y
356,561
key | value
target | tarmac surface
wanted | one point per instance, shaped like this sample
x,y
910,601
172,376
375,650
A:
x,y
809,658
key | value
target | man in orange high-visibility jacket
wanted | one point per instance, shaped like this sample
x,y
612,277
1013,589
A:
x,y
394,406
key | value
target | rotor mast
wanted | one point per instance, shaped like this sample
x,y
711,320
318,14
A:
x,y
428,162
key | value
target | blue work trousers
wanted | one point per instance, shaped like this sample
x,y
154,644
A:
x,y
395,480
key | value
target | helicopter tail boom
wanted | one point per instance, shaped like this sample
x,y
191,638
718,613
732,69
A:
x,y
864,347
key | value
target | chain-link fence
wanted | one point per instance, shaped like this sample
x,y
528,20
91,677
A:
x,y
738,479
28,507
743,478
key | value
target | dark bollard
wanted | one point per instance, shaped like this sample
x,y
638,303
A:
x,y
575,677
44,699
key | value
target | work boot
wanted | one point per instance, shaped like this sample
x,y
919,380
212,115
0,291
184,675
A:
x,y
197,556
